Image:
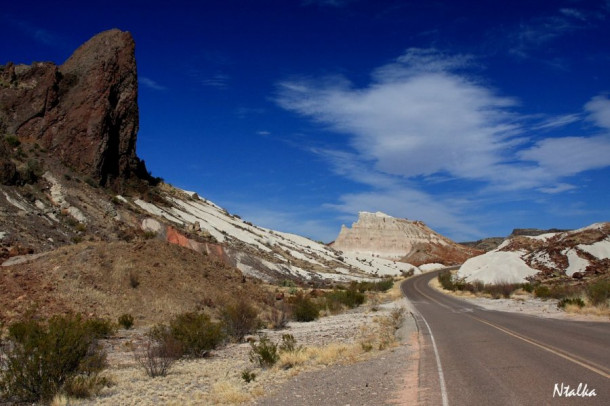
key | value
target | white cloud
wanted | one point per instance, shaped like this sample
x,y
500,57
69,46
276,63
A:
x,y
559,188
568,156
599,111
422,116
415,118
559,121
149,83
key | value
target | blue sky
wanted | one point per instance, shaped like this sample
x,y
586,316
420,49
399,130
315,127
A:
x,y
476,117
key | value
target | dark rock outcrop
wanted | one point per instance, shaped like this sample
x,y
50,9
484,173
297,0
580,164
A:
x,y
83,112
532,232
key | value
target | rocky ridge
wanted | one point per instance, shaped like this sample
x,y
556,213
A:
x,y
576,254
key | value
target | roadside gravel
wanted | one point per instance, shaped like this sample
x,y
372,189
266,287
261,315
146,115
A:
x,y
390,378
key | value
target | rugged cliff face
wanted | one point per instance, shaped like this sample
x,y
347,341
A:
x,y
83,112
400,239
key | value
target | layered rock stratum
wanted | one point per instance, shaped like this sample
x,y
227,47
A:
x,y
411,241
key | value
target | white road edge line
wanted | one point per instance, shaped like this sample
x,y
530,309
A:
x,y
441,376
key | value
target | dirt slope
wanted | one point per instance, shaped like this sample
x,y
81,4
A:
x,y
150,279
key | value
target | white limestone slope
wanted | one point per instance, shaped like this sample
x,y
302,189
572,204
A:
x,y
497,267
281,253
583,250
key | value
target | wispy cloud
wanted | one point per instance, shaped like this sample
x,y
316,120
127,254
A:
x,y
219,81
557,122
423,116
37,33
531,35
151,84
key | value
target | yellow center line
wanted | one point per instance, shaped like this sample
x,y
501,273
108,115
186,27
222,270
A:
x,y
600,370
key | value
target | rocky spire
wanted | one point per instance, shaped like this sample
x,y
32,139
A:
x,y
84,112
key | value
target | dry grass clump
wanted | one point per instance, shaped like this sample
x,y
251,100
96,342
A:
x,y
227,393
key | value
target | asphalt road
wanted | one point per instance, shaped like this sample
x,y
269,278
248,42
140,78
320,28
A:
x,y
473,356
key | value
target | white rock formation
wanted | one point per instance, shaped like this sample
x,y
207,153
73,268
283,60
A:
x,y
385,236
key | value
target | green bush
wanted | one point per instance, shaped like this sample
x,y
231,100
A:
x,y
528,287
240,318
40,360
197,333
101,328
289,344
599,292
500,289
248,376
12,140
304,309
264,353
446,280
542,291
350,298
126,321
379,286
570,301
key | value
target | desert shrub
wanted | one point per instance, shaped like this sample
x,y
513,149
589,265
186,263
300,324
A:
x,y
304,309
528,287
197,333
32,172
39,360
248,376
279,316
378,286
89,181
240,318
83,386
558,291
502,289
570,301
350,298
134,280
446,280
542,291
160,353
561,291
126,321
100,328
598,292
289,344
12,140
264,353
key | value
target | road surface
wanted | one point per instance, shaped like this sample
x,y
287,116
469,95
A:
x,y
473,356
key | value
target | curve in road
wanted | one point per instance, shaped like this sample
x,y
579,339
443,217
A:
x,y
474,356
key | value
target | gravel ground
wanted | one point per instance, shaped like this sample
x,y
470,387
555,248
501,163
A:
x,y
388,379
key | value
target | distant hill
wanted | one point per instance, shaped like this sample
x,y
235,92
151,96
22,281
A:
x,y
402,240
